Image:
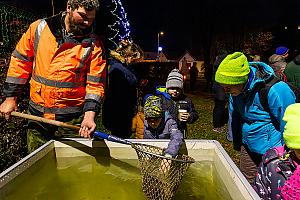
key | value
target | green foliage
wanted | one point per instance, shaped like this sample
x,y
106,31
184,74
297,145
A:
x,y
257,42
14,23
12,142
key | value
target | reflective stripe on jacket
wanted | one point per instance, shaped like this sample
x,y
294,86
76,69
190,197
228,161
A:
x,y
65,71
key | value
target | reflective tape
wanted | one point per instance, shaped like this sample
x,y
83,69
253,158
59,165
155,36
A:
x,y
37,36
95,79
94,97
57,84
58,111
85,56
20,56
15,80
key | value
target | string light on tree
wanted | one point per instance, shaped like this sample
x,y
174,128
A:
x,y
121,27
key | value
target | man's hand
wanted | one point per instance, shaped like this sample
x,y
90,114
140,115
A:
x,y
9,105
88,124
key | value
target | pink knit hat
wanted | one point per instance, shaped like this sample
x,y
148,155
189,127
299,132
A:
x,y
291,188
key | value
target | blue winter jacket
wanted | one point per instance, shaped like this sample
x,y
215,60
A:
x,y
166,130
251,124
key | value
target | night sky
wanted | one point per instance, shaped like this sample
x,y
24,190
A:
x,y
186,24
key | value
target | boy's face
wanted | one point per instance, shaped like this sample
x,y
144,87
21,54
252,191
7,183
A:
x,y
174,92
234,90
154,122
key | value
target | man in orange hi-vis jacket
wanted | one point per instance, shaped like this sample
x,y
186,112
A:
x,y
63,61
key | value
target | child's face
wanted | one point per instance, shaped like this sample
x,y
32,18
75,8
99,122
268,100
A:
x,y
154,122
174,92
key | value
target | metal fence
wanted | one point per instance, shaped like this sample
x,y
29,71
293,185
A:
x,y
13,23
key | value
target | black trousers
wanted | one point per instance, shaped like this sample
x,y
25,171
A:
x,y
220,112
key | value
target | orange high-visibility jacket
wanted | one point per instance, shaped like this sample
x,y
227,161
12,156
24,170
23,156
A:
x,y
65,71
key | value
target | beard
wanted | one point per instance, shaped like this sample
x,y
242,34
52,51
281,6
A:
x,y
77,28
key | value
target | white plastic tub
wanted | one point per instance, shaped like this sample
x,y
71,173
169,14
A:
x,y
225,171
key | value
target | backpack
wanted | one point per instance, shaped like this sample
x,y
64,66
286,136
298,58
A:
x,y
263,93
263,97
275,161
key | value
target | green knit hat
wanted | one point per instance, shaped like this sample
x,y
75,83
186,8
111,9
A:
x,y
153,107
291,134
233,70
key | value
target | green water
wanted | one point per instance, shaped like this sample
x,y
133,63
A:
x,y
87,178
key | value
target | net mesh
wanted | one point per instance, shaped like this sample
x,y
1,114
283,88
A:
x,y
161,176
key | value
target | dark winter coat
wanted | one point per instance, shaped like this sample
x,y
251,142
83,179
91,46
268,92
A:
x,y
171,106
120,99
292,72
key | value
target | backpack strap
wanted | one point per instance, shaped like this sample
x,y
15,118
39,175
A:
x,y
295,90
264,91
263,98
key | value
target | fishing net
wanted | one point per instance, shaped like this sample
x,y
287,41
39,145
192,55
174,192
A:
x,y
161,176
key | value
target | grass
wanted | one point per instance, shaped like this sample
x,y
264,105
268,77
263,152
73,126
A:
x,y
202,128
13,136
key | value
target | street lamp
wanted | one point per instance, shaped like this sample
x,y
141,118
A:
x,y
158,47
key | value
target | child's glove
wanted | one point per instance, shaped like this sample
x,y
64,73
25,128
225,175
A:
x,y
291,188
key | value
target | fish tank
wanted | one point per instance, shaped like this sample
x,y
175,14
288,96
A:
x,y
87,169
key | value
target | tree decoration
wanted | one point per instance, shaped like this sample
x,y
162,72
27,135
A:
x,y
120,29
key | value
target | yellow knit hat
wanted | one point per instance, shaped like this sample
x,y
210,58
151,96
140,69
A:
x,y
291,134
153,107
233,70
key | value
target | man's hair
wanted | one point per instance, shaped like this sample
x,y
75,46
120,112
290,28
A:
x,y
87,4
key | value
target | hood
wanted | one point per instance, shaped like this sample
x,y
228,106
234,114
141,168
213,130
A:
x,y
262,73
117,56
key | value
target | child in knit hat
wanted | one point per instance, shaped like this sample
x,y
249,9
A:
x,y
254,128
278,175
159,126
176,103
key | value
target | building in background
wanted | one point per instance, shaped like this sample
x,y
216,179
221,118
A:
x,y
182,61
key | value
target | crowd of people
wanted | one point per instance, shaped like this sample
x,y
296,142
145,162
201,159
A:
x,y
265,135
67,68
